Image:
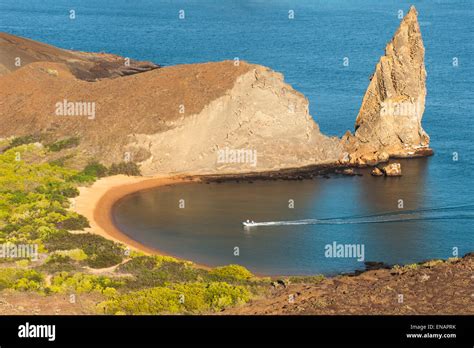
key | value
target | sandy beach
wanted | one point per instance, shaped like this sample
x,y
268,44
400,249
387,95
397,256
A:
x,y
95,202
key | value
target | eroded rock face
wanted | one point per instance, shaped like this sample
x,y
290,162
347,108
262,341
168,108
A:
x,y
376,172
260,124
392,169
389,120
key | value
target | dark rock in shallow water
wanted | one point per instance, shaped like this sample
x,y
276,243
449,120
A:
x,y
392,169
376,172
349,172
374,265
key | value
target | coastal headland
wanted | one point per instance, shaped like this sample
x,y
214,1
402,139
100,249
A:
x,y
221,121
213,121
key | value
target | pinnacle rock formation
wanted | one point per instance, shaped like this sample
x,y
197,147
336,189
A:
x,y
389,120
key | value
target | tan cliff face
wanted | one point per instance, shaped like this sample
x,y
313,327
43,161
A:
x,y
389,120
260,124
211,118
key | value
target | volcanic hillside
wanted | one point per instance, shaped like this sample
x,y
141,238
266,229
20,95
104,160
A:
x,y
17,52
172,119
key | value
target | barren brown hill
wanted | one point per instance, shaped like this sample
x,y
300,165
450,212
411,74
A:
x,y
17,52
172,119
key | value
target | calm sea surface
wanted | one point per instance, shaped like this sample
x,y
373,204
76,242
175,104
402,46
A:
x,y
309,50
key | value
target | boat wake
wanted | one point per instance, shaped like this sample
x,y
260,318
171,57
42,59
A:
x,y
460,212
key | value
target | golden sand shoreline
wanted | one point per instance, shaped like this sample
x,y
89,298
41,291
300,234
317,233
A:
x,y
95,202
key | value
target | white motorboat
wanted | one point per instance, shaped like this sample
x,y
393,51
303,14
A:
x,y
248,223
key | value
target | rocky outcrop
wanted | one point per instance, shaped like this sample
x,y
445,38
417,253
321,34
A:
x,y
392,169
17,52
389,120
428,288
376,172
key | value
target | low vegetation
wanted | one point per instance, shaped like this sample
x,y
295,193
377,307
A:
x,y
63,144
35,199
100,252
20,279
95,169
127,168
178,298
98,170
23,140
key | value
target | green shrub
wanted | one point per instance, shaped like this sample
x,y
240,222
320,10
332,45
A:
x,y
25,284
76,222
149,301
63,144
23,263
81,178
101,252
127,168
8,277
20,279
61,161
58,263
432,263
57,190
81,283
74,254
405,268
231,272
220,295
138,264
95,169
177,298
152,271
23,140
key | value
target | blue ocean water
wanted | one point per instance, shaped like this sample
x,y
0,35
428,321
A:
x,y
309,51
363,211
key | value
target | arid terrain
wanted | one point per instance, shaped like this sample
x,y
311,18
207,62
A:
x,y
435,287
170,122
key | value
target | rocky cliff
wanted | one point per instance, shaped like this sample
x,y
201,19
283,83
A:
x,y
212,118
389,120
259,124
